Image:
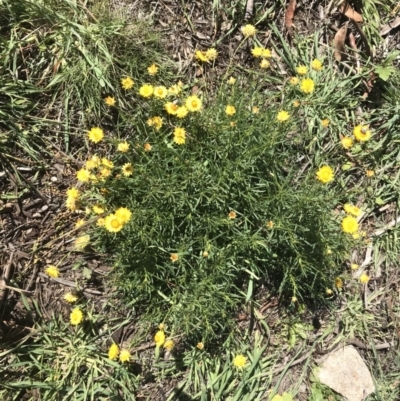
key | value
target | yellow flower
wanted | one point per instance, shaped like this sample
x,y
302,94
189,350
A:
x,y
248,30
90,164
146,90
328,291
159,338
155,122
200,345
362,133
230,110
264,63
325,122
127,83
351,209
338,283
179,136
73,193
123,147
83,175
97,209
124,355
113,224
160,92
302,70
270,224
239,361
211,54
364,278
100,222
347,142
174,90
123,214
283,116
307,85
257,51
113,351
205,254
169,344
52,271
174,257
232,215
329,251
127,169
266,53
369,173
105,172
96,134
349,225
182,112
316,65
171,108
107,163
95,161
201,56
296,103
70,297
147,147
76,316
294,80
161,326
81,242
354,266
152,70
231,81
110,101
325,174
233,124
193,103
71,204
255,110
79,223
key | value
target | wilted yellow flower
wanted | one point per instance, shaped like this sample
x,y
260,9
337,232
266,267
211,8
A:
x,y
328,291
201,56
123,147
200,345
100,222
97,209
239,361
369,173
230,110
79,223
296,103
351,209
159,338
113,224
349,225
231,81
364,278
174,257
107,163
52,271
316,65
257,51
71,204
232,124
347,142
362,133
171,108
232,215
205,254
81,242
354,266
193,103
248,30
255,110
152,70
160,92
76,316
283,116
211,54
123,214
147,147
124,355
155,122
70,297
264,63
294,80
338,283
169,344
105,172
109,100
270,224
83,175
179,135
325,122
127,169
182,112
266,53
127,83
302,70
307,85
113,351
73,193
146,90
174,90
96,134
325,174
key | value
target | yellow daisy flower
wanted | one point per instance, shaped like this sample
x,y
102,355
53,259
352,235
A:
x,y
347,142
110,101
147,147
152,70
351,209
127,169
316,65
123,147
113,351
159,338
182,112
239,361
83,175
171,108
369,173
174,257
248,30
325,122
146,90
107,163
325,174
230,110
96,134
123,214
70,297
52,271
179,135
201,56
160,92
169,344
113,224
349,225
255,110
283,116
257,51
174,90
211,54
127,83
124,355
193,103
301,70
100,222
105,172
307,85
97,209
231,81
362,133
73,193
294,80
264,63
296,103
200,345
79,223
266,53
364,278
76,316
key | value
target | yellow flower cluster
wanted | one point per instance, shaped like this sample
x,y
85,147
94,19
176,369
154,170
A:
x,y
114,351
103,166
115,222
206,56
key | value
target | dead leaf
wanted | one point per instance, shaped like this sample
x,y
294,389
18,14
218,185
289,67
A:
x,y
290,14
350,13
391,25
339,40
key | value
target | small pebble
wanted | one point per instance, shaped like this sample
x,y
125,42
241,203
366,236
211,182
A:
x,y
53,179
